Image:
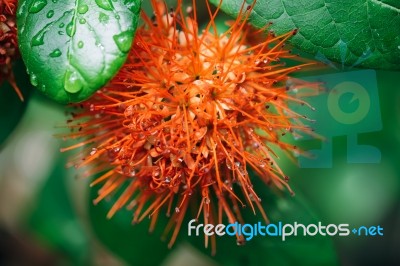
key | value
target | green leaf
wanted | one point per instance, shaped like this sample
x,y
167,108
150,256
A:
x,y
11,106
73,48
358,32
134,244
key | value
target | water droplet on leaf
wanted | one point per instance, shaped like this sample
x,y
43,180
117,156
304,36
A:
x,y
33,79
80,44
72,82
71,29
124,40
55,53
105,4
50,14
37,5
38,38
82,9
103,18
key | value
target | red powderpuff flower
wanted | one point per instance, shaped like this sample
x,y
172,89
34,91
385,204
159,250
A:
x,y
185,116
8,42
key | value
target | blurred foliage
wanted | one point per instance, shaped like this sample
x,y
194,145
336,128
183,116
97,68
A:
x,y
11,106
54,220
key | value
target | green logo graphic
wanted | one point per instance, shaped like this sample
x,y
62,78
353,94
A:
x,y
359,93
349,107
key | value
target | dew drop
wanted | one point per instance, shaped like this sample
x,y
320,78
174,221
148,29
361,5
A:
x,y
50,14
61,25
38,38
117,17
55,53
82,20
93,152
33,79
37,5
103,18
60,32
82,9
80,44
105,4
124,40
72,82
228,164
71,29
177,210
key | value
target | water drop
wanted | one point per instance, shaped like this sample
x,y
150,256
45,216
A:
x,y
55,53
103,18
38,38
177,210
228,163
60,33
33,79
93,152
72,82
82,20
82,9
80,44
37,5
117,16
50,14
71,29
61,25
105,4
124,40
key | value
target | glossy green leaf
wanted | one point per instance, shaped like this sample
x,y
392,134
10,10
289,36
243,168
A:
x,y
11,106
73,48
137,246
358,32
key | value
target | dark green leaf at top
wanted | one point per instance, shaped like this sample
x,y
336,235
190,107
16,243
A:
x,y
356,32
73,48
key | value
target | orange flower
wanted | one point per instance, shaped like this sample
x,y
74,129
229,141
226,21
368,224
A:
x,y
8,42
185,116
